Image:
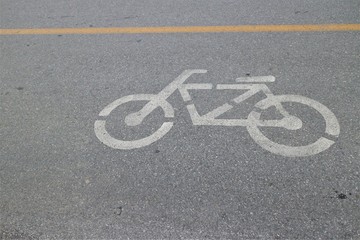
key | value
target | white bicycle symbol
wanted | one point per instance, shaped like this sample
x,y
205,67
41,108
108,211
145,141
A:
x,y
253,85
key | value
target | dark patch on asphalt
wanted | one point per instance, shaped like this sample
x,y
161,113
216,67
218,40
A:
x,y
157,151
298,12
20,88
131,17
342,196
118,210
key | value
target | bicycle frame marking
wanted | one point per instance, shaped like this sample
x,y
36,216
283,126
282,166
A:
x,y
210,118
253,85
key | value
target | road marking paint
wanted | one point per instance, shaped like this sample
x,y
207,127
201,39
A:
x,y
253,122
184,89
103,135
245,96
185,29
256,79
136,118
108,140
331,127
218,111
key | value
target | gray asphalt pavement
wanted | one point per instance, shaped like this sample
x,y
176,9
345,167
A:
x,y
59,181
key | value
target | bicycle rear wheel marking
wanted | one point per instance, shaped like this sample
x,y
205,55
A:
x,y
332,128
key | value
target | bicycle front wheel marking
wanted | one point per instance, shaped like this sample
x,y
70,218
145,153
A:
x,y
107,139
332,128
103,135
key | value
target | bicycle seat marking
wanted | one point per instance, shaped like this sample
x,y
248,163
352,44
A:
x,y
252,85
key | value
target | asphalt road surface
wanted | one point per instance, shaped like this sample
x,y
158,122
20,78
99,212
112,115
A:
x,y
64,177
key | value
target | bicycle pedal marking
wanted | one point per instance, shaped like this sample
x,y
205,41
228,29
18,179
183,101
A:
x,y
253,122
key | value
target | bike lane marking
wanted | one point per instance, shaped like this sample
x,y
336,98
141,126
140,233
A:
x,y
186,29
252,123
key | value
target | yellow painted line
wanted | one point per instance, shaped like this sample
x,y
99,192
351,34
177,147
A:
x,y
186,29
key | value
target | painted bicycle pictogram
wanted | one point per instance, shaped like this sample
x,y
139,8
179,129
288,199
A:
x,y
253,122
